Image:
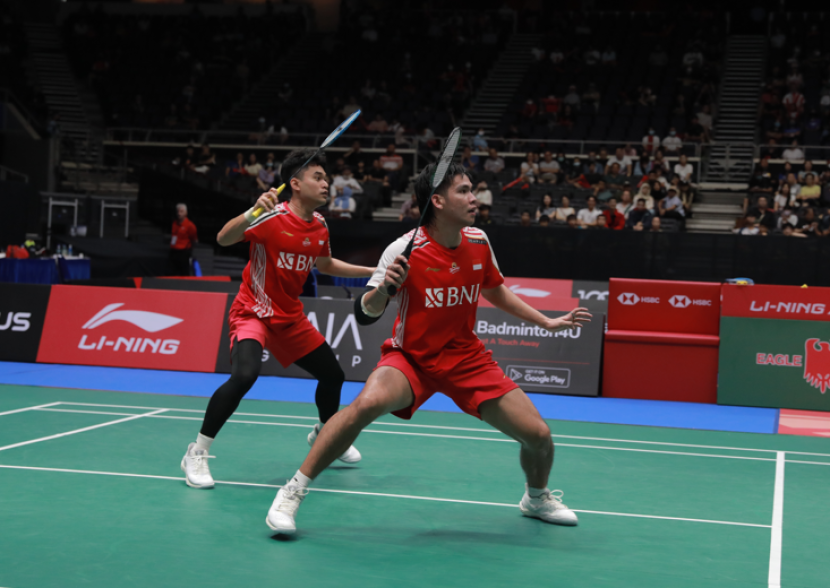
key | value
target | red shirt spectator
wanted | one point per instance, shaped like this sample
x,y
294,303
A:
x,y
184,231
794,104
613,219
550,104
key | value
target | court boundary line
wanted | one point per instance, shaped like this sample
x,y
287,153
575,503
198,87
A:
x,y
82,430
463,437
375,494
776,536
28,408
667,443
431,435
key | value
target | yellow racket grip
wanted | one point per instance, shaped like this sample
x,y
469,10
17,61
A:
x,y
259,211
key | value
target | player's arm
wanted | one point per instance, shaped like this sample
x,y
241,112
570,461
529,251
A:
x,y
370,306
504,299
341,269
234,230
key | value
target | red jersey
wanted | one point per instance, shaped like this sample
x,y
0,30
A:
x,y
284,249
438,301
184,234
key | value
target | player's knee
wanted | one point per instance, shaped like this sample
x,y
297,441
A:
x,y
368,408
539,436
335,376
245,379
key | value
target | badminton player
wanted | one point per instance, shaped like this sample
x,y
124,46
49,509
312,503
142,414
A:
x,y
434,348
287,240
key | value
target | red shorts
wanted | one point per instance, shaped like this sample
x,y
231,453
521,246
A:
x,y
469,382
288,339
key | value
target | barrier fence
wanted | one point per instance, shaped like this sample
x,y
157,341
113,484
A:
x,y
763,346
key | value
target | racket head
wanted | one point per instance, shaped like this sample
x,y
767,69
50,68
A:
x,y
447,157
340,130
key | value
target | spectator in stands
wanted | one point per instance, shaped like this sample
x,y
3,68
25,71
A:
x,y
592,165
659,164
350,107
613,218
626,203
494,163
525,219
782,199
184,236
409,210
824,226
483,194
564,210
672,143
622,161
639,217
810,192
567,116
587,217
236,168
354,155
529,170
704,117
572,222
642,166
343,204
793,153
530,110
572,98
253,167
762,214
695,133
793,187
483,219
672,206
377,175
614,179
344,179
268,174
807,223
645,196
546,208
601,191
687,195
479,142
206,160
468,160
650,141
793,104
770,150
761,180
788,231
591,97
807,169
379,125
602,223
683,169
656,225
544,220
549,169
393,164
646,97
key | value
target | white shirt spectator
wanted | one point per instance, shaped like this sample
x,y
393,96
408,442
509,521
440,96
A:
x,y
781,201
530,171
793,154
484,197
341,181
345,205
588,217
549,167
672,143
624,208
651,143
705,120
684,171
674,201
624,163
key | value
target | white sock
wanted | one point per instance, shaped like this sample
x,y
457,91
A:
x,y
535,492
203,442
300,479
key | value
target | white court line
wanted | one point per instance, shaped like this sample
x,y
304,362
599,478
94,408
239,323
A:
x,y
29,408
59,435
379,494
475,430
808,462
777,523
463,437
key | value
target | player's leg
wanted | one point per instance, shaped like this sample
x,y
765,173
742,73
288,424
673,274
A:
x,y
387,390
246,360
322,364
515,415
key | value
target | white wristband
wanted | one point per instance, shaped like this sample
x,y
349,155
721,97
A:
x,y
366,310
249,215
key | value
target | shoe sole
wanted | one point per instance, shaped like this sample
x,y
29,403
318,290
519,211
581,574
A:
x,y
191,484
532,515
278,530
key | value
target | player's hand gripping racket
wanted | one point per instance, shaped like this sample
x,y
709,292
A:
x,y
329,140
447,156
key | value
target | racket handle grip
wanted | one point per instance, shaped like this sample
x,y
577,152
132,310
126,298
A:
x,y
393,290
259,211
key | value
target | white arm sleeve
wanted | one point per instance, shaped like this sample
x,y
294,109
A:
x,y
396,248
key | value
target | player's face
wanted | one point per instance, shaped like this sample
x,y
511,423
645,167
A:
x,y
459,205
313,185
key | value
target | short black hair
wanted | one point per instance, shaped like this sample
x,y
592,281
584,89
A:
x,y
423,186
295,160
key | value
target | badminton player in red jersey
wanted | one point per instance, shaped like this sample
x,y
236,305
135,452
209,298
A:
x,y
287,241
434,347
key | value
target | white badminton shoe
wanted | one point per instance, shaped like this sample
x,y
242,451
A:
x,y
281,515
352,455
549,508
195,467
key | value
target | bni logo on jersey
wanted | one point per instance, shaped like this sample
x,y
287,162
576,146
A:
x,y
448,297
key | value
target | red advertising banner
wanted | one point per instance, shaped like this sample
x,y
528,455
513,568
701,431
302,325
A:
x,y
664,306
122,327
776,302
541,294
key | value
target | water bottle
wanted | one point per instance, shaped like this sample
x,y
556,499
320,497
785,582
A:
x,y
70,250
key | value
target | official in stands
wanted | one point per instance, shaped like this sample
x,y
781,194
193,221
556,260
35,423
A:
x,y
181,243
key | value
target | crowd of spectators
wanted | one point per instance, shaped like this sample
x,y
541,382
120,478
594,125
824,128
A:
x,y
789,199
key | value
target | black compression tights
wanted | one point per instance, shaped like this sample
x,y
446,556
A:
x,y
246,361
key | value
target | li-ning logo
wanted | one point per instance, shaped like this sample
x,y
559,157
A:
x,y
529,292
817,364
628,299
151,322
441,297
18,321
293,261
680,301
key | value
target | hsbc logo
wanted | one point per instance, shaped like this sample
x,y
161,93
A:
x,y
150,322
680,301
16,321
628,298
296,262
448,297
